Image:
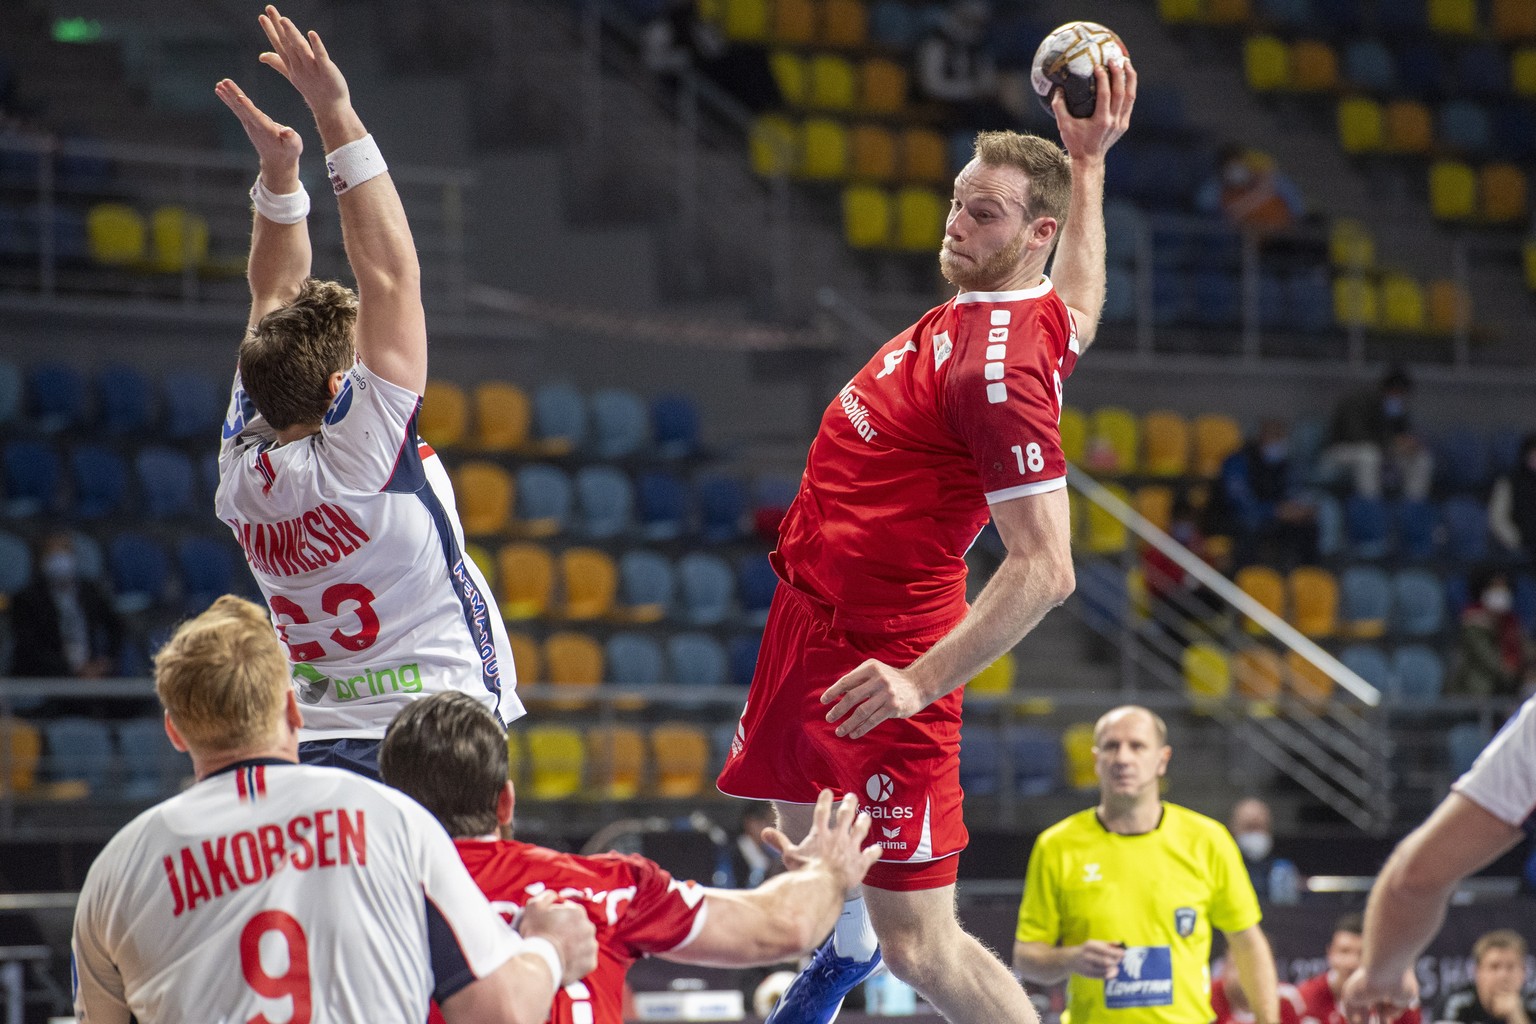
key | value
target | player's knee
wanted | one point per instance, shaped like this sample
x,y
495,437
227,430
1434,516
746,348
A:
x,y
915,954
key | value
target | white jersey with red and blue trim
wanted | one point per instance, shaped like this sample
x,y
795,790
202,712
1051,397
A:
x,y
277,891
354,538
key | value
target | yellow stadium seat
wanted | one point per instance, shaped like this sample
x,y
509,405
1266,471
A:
x,y
1074,433
21,751
485,494
710,12
615,762
1266,63
1077,748
746,21
867,217
774,145
116,235
1103,533
1361,128
574,663
1351,246
1176,12
1449,306
1265,586
789,74
996,679
590,581
178,239
923,157
1308,682
844,24
920,216
1165,438
794,22
882,86
1155,503
872,154
1408,127
1503,190
1314,601
1514,19
1114,441
515,758
824,153
1258,674
1216,436
444,415
1228,12
1355,302
1522,71
680,754
1402,303
484,561
1136,590
556,759
503,416
1453,17
832,83
526,573
1314,66
1207,675
527,658
1452,190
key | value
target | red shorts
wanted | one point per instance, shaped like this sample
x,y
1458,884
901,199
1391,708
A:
x,y
906,772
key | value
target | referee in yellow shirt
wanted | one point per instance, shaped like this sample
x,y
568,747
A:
x,y
1120,899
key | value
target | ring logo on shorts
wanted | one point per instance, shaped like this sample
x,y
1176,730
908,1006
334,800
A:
x,y
879,787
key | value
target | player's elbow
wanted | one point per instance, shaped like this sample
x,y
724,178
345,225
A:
x,y
1061,582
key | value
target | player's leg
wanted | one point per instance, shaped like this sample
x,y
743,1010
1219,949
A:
x,y
924,945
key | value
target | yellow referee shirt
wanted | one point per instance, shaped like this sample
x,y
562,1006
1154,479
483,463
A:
x,y
1159,894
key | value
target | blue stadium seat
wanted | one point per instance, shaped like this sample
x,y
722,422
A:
x,y
1405,18
58,397
1036,760
708,589
1217,298
1311,298
1340,17
151,766
32,474
100,478
1525,600
559,418
1465,127
1416,525
167,482
663,499
1102,590
605,502
980,760
894,25
1466,529
634,659
1274,301
1418,603
1330,526
1504,449
1369,65
1365,595
207,570
194,404
620,425
79,748
646,580
544,499
1463,743
127,399
1172,297
757,582
742,651
140,571
1456,593
1462,460
1482,70
1120,296
1367,662
1514,130
15,563
675,426
1368,527
1161,109
1419,69
1419,674
722,508
697,659
10,391
71,242
90,562
1123,225
1285,13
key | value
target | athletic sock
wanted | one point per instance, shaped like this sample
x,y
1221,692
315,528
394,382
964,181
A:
x,y
854,937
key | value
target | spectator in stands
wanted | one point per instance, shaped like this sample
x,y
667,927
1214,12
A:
x,y
1251,824
753,859
1249,190
64,625
1496,995
1494,656
1320,994
1256,503
1180,602
953,65
1372,440
1512,505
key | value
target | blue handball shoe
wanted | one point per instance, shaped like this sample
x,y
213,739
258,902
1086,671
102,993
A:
x,y
817,994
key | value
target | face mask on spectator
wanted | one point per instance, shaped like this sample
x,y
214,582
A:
x,y
1255,845
1274,451
1497,600
1392,405
59,567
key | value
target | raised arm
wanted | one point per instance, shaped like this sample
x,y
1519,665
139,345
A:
x,y
391,324
280,252
1079,268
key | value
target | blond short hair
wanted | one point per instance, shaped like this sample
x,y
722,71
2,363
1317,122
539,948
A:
x,y
1046,164
1503,938
223,678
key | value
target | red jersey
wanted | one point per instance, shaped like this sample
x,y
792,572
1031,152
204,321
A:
x,y
1318,997
1292,1007
955,413
635,905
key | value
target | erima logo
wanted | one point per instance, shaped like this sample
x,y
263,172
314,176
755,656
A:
x,y
891,833
893,358
879,787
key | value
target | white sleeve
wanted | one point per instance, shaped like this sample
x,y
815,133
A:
x,y
1502,781
369,434
242,423
99,995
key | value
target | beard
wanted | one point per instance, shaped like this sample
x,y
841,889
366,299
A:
x,y
972,275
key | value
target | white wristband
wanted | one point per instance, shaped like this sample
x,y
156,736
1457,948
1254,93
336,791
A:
x,y
280,209
356,162
546,949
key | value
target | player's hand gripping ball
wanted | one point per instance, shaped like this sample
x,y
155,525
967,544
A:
x,y
1066,59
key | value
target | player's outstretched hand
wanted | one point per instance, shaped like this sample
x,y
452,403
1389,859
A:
x,y
1364,999
1089,138
1097,959
869,695
277,145
567,928
837,842
301,58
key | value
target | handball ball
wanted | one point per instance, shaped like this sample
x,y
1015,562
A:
x,y
1066,59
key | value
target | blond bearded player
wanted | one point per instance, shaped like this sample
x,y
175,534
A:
x,y
869,640
347,519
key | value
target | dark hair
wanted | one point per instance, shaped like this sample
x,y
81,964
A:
x,y
288,357
1396,379
448,753
1352,923
1479,579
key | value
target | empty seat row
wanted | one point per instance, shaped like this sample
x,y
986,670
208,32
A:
x,y
568,658
74,756
1411,675
1362,601
1508,20
1257,674
1396,301
843,24
1114,441
827,149
1028,760
553,762
117,399
829,81
97,482
1492,194
1272,63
